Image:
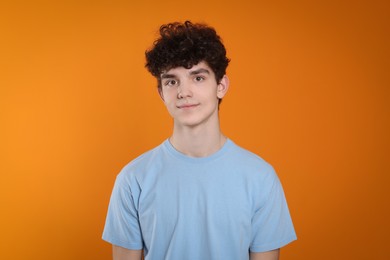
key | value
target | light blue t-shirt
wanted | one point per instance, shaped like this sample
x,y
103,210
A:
x,y
217,207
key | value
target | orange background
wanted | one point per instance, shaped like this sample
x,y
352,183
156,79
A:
x,y
309,93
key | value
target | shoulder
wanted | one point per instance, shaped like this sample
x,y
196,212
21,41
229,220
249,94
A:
x,y
249,160
141,165
258,174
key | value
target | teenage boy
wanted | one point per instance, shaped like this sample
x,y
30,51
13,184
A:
x,y
197,195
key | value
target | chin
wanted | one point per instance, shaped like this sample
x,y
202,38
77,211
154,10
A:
x,y
188,123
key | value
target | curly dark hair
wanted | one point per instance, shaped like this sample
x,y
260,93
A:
x,y
185,45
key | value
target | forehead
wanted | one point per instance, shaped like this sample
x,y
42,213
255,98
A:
x,y
201,67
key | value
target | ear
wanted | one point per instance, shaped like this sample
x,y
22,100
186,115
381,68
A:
x,y
223,87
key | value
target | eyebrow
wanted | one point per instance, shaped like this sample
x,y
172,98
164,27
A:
x,y
199,71
194,72
167,76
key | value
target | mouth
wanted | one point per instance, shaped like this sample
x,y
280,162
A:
x,y
187,106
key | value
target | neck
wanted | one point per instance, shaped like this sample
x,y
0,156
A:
x,y
197,142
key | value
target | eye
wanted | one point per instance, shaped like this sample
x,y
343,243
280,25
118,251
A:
x,y
170,83
199,78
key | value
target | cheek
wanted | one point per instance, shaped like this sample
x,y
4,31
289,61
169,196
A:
x,y
211,95
170,102
168,97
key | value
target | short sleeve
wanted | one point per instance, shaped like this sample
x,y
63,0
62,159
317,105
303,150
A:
x,y
272,226
122,225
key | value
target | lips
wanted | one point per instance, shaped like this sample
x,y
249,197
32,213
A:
x,y
187,106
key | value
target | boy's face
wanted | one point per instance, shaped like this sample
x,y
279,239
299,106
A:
x,y
191,95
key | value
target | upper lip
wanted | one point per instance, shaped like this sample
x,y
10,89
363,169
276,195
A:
x,y
186,105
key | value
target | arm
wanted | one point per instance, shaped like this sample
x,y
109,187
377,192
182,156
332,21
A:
x,y
269,255
120,253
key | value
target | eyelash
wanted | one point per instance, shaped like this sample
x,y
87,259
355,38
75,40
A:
x,y
200,78
168,82
175,82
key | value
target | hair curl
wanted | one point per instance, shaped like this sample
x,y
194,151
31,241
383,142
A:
x,y
185,45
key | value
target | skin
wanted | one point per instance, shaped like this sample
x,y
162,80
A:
x,y
191,97
269,255
120,253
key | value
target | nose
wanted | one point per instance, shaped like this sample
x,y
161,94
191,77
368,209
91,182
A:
x,y
184,90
